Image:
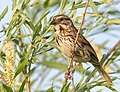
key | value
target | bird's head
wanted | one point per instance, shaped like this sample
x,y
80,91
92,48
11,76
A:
x,y
61,20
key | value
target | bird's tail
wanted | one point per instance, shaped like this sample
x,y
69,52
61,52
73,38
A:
x,y
103,73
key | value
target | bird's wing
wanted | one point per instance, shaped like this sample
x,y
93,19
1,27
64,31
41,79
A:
x,y
86,45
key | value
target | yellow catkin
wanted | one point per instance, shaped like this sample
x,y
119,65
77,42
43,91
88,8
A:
x,y
8,64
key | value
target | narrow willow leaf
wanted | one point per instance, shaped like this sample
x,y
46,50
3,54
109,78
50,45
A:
x,y
31,25
46,3
106,2
113,89
22,65
83,89
45,33
65,87
14,12
7,89
90,75
118,71
23,35
100,90
113,57
103,44
24,4
113,21
64,84
34,4
62,6
13,4
22,86
81,80
72,10
50,89
39,21
79,5
55,65
3,13
93,6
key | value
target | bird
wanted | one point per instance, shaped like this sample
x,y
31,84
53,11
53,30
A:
x,y
65,35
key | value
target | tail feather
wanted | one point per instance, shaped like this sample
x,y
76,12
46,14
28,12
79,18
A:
x,y
103,73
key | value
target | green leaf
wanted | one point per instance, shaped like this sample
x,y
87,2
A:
x,y
25,4
90,75
113,56
113,21
8,89
13,3
23,35
102,45
22,65
50,89
39,21
55,65
81,81
65,87
118,71
31,25
111,88
62,6
22,86
46,3
3,13
34,4
100,90
93,6
82,5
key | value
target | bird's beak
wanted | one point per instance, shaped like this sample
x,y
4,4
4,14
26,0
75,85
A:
x,y
52,22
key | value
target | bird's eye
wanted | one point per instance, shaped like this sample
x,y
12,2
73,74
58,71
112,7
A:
x,y
61,19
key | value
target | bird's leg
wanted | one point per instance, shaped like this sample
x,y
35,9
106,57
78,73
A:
x,y
72,77
70,65
73,68
69,74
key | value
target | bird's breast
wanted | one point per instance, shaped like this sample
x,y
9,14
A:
x,y
65,44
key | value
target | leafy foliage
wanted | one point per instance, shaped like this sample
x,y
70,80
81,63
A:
x,y
37,61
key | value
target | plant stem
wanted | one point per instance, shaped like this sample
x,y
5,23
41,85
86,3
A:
x,y
28,83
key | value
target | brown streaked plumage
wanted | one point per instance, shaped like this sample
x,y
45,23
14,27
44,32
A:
x,y
65,36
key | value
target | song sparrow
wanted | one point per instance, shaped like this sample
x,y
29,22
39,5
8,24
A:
x,y
65,38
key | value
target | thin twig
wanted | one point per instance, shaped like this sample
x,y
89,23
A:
x,y
111,50
83,18
108,54
27,76
72,78
28,83
20,40
72,56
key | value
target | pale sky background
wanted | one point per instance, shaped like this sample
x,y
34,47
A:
x,y
97,38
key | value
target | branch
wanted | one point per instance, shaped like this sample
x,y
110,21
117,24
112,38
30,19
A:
x,y
112,49
83,18
102,61
72,55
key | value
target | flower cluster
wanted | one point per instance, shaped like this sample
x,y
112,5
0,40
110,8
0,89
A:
x,y
8,64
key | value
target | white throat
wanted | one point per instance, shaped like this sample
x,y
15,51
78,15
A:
x,y
57,28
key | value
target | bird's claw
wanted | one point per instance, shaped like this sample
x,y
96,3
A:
x,y
68,75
